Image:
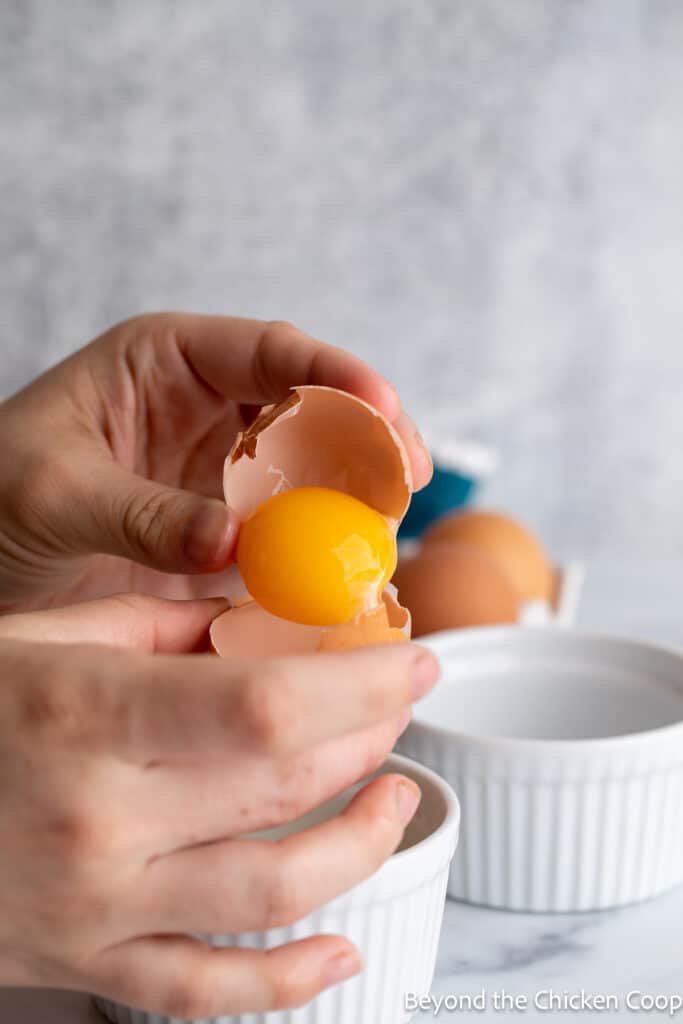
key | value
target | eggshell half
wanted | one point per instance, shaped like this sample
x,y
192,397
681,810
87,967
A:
x,y
248,631
324,438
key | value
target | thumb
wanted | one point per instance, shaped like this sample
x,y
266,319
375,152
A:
x,y
162,527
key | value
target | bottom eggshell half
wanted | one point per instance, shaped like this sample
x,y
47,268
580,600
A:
x,y
249,631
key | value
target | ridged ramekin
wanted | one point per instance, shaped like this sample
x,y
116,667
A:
x,y
566,751
393,917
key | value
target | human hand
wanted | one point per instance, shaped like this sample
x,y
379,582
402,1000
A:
x,y
111,478
127,771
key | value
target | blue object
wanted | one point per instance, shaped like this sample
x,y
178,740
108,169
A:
x,y
447,490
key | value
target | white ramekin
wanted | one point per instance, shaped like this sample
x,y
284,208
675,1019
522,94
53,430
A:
x,y
393,917
566,751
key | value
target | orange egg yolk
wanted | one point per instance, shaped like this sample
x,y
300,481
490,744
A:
x,y
316,556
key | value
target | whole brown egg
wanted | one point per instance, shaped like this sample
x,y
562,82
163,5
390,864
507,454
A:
x,y
449,586
513,547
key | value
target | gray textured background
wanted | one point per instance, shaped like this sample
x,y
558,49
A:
x,y
483,197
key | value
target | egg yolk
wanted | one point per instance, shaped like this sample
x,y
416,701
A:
x,y
316,556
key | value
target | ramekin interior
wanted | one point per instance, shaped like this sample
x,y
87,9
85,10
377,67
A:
x,y
549,685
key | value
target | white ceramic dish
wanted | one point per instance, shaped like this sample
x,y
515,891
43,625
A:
x,y
394,918
566,751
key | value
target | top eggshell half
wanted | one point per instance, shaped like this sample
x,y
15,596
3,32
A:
x,y
319,437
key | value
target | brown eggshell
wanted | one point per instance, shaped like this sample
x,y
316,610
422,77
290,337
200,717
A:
x,y
325,438
449,586
370,628
318,437
512,546
248,631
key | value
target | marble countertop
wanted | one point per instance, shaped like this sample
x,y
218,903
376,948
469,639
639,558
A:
x,y
486,953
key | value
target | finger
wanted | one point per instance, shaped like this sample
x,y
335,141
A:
x,y
275,707
183,978
160,527
418,453
252,885
257,362
184,804
123,620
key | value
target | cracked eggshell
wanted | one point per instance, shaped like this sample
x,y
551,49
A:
x,y
319,437
249,631
323,438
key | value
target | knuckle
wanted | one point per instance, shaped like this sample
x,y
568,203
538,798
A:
x,y
143,522
74,705
133,602
275,330
78,836
69,704
377,749
73,907
274,336
294,794
385,829
138,604
287,991
188,998
53,705
160,328
283,902
382,828
298,784
380,700
264,711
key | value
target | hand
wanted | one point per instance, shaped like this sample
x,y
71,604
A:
x,y
112,466
127,771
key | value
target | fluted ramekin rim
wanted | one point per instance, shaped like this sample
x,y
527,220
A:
x,y
624,741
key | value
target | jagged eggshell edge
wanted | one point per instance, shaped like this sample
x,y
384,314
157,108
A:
x,y
322,437
248,631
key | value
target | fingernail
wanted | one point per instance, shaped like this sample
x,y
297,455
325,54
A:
x,y
341,967
425,674
403,722
208,537
408,796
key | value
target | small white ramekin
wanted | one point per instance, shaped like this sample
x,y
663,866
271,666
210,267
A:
x,y
393,917
566,751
